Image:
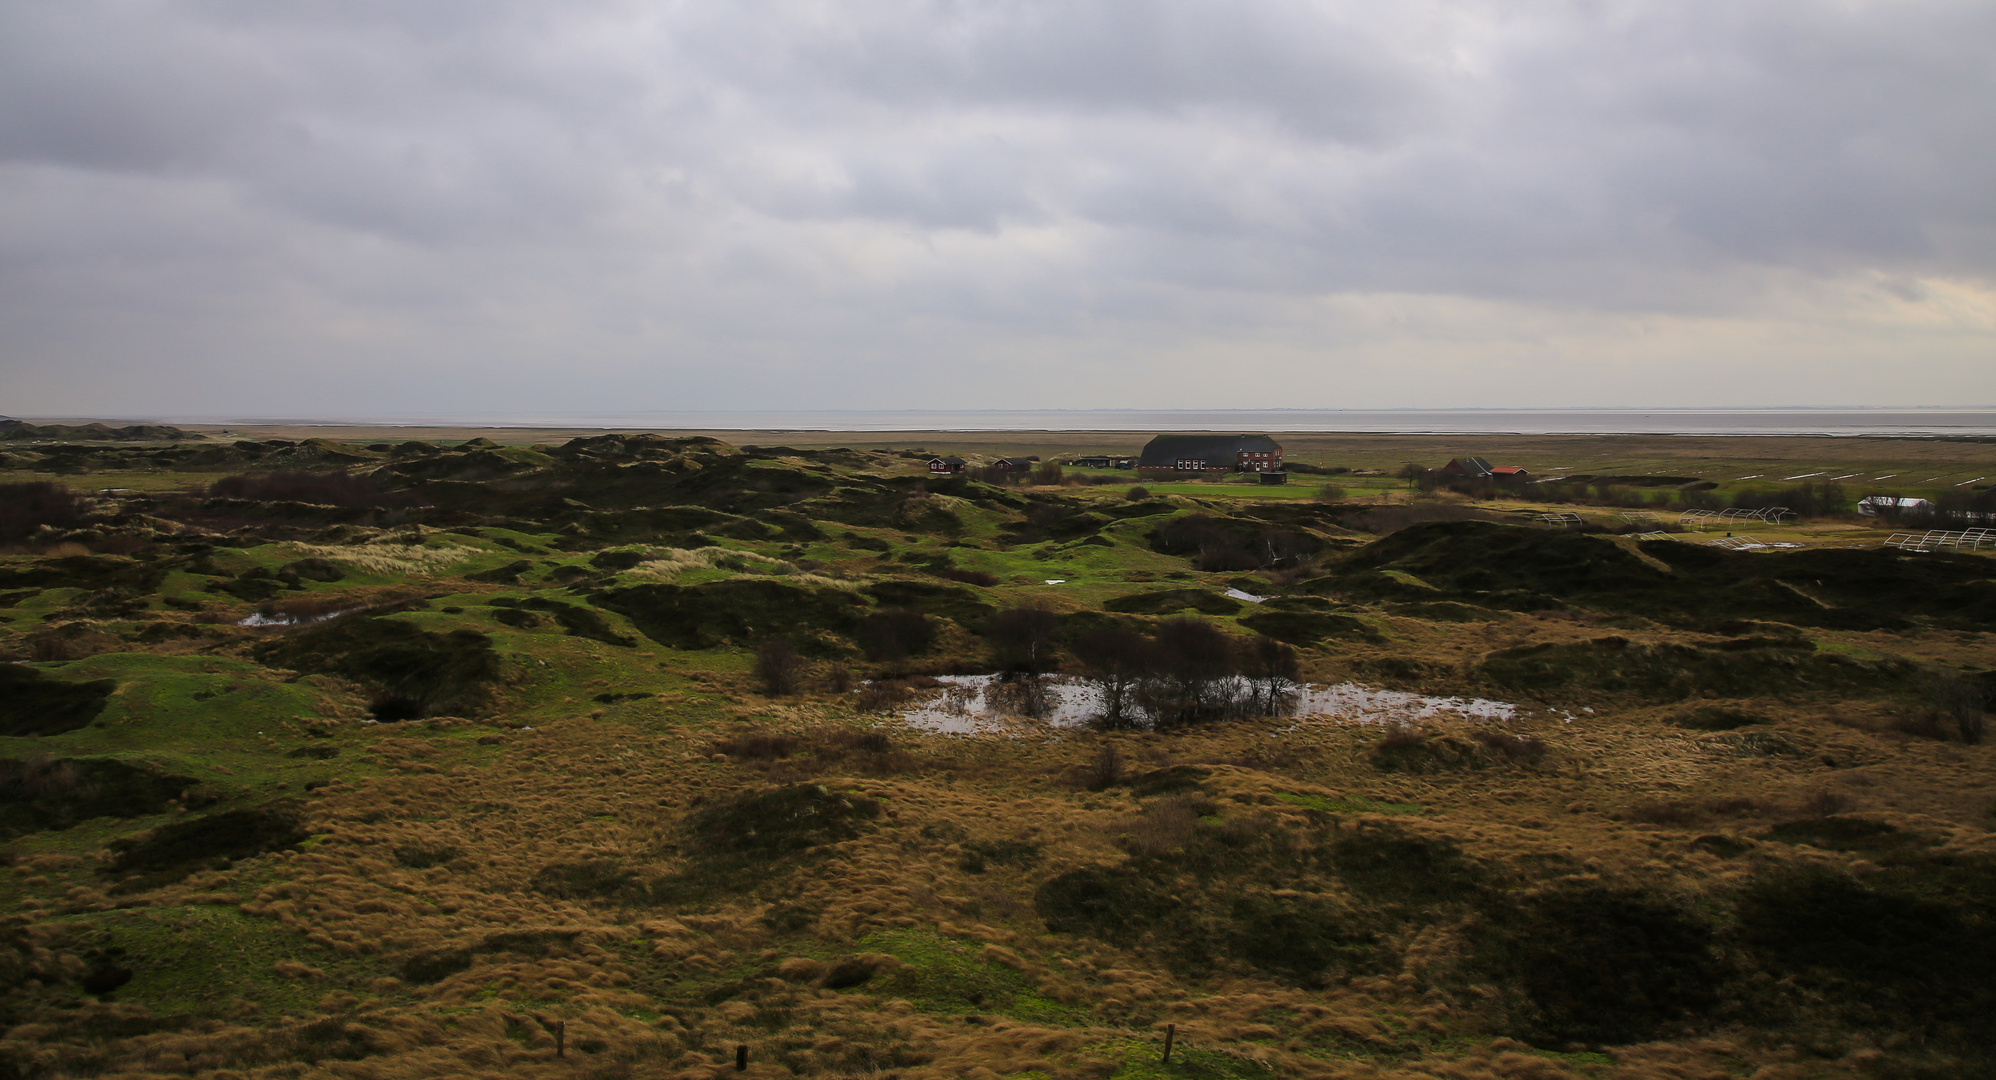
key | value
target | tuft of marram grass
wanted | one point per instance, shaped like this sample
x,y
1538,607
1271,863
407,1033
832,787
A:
x,y
381,558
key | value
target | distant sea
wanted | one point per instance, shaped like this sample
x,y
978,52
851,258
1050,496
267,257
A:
x,y
1927,422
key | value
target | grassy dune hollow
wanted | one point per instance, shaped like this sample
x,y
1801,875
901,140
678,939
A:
x,y
624,756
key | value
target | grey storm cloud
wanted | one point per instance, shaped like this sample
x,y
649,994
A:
x,y
805,203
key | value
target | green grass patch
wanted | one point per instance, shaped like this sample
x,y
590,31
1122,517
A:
x,y
952,976
1349,804
201,960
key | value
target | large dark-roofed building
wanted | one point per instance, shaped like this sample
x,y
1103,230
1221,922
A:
x,y
1212,453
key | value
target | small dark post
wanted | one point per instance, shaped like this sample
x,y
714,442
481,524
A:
x,y
561,1038
741,1058
1169,1031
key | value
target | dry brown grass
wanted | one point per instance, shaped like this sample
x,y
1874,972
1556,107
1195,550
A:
x,y
614,790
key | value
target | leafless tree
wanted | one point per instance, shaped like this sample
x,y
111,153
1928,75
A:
x,y
1022,638
1192,676
1117,660
1272,672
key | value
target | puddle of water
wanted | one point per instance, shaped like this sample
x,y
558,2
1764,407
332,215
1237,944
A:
x,y
260,619
973,704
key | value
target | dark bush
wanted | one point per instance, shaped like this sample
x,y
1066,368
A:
x,y
1391,864
1846,834
1606,965
574,620
1099,902
1906,949
502,575
322,489
895,634
1717,718
437,674
26,508
176,849
45,793
1218,545
781,819
1300,936
32,703
1409,749
1171,780
740,610
310,570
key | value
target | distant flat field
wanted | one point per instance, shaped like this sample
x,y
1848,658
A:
x,y
1900,464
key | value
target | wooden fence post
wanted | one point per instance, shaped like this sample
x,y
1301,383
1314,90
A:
x,y
741,1058
1170,1030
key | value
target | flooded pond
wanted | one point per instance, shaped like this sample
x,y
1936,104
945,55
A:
x,y
978,704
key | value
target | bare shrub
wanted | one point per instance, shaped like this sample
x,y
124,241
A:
x,y
1049,472
881,695
1105,771
1959,700
1272,672
1827,803
778,667
1027,695
1022,637
1329,493
1520,749
1137,493
838,678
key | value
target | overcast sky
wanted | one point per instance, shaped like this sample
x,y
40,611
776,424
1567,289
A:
x,y
370,207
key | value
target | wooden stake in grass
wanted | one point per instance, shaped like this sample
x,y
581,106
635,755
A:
x,y
560,1038
1170,1030
741,1058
